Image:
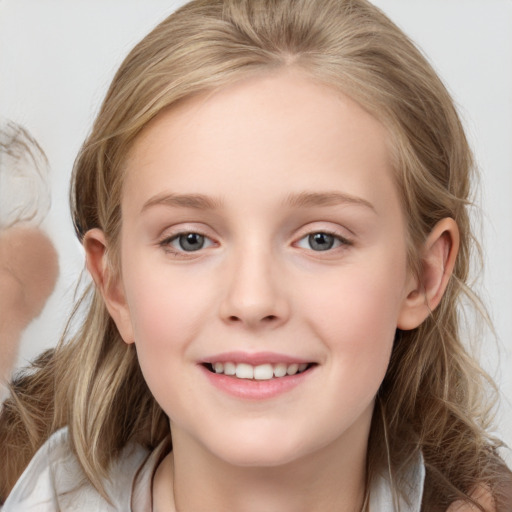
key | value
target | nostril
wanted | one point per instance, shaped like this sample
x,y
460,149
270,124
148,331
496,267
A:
x,y
268,318
252,318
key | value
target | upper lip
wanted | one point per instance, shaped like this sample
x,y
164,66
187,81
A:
x,y
254,359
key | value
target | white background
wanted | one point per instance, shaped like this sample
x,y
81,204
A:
x,y
57,58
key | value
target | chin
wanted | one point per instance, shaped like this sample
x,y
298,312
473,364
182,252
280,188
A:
x,y
259,449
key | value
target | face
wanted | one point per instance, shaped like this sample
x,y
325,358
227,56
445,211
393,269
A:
x,y
263,269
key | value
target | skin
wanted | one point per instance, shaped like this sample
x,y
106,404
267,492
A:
x,y
28,273
258,285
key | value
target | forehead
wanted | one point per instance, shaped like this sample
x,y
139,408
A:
x,y
282,131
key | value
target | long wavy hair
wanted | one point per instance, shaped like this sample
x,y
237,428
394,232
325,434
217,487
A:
x,y
433,399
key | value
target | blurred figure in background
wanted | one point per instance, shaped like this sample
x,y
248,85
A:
x,y
28,260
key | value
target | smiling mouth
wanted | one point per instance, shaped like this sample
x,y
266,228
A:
x,y
259,372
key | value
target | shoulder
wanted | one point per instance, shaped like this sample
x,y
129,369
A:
x,y
36,484
54,481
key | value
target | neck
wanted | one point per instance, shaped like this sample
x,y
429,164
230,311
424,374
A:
x,y
318,482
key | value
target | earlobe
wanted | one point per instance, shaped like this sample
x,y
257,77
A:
x,y
437,262
109,285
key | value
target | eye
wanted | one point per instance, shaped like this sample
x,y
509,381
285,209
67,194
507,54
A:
x,y
187,242
322,241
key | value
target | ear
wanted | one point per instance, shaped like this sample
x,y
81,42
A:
x,y
109,283
437,261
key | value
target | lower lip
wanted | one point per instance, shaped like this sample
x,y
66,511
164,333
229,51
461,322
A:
x,y
250,389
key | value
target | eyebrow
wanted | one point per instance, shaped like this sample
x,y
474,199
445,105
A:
x,y
312,199
301,200
195,201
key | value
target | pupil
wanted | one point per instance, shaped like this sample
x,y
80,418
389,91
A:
x,y
191,242
321,241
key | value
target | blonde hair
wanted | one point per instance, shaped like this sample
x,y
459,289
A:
x,y
431,399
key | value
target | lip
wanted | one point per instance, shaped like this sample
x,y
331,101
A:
x,y
250,389
254,359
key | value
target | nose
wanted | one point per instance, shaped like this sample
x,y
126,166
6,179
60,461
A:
x,y
255,291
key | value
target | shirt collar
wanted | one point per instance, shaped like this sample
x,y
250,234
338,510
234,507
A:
x,y
384,499
382,495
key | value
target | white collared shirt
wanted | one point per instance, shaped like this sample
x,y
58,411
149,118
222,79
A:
x,y
54,482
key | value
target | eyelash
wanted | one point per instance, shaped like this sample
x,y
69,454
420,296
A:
x,y
166,243
342,241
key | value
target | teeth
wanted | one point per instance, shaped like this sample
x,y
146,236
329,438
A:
x,y
244,371
229,369
263,372
280,370
292,369
260,372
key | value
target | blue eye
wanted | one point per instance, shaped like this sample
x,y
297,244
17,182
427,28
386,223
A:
x,y
321,241
188,242
191,241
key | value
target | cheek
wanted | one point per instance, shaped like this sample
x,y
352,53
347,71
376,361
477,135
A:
x,y
161,319
355,314
161,314
168,309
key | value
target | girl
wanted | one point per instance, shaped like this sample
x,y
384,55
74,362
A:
x,y
273,202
